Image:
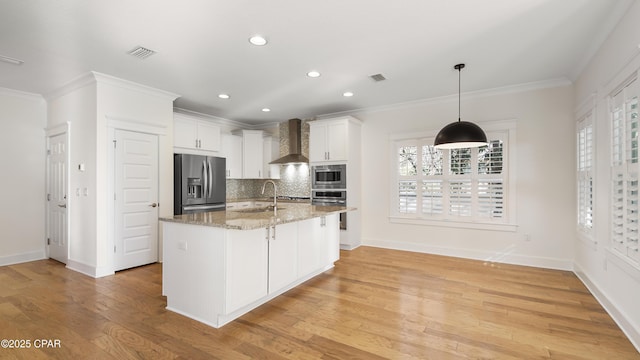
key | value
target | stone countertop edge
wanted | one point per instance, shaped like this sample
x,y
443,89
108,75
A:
x,y
239,220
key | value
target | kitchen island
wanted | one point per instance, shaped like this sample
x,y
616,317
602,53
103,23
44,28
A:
x,y
219,265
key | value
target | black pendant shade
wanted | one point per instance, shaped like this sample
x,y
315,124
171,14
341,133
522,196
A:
x,y
460,134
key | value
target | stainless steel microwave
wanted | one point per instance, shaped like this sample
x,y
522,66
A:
x,y
329,176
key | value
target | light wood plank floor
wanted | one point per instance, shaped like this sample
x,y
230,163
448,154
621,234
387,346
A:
x,y
375,304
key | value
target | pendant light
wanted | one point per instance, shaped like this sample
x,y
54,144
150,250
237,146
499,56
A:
x,y
460,134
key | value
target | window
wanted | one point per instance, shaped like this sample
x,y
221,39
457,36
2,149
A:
x,y
585,173
625,170
459,185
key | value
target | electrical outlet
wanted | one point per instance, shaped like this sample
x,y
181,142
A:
x,y
182,245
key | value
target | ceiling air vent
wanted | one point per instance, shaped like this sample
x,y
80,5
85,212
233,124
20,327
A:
x,y
378,77
141,52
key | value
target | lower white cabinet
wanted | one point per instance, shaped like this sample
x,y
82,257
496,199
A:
x,y
318,243
283,251
246,268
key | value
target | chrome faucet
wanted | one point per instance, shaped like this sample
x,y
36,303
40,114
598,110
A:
x,y
275,193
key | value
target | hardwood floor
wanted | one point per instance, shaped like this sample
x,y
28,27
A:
x,y
375,304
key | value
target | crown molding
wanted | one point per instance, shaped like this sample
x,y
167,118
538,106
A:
x,y
222,121
504,90
93,77
21,94
130,85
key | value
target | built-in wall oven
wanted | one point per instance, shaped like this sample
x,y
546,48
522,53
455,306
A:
x,y
331,197
329,176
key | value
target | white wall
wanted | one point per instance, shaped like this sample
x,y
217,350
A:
x,y
22,183
614,282
131,106
94,105
544,177
78,108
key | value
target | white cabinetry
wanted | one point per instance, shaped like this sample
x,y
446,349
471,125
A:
x,y
232,151
252,154
246,267
193,134
215,275
338,141
271,151
328,140
318,243
283,255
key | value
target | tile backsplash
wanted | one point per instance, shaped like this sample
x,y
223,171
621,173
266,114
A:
x,y
294,181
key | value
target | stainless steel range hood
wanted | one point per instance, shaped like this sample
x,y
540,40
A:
x,y
295,145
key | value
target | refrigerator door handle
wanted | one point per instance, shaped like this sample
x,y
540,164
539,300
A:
x,y
210,178
205,180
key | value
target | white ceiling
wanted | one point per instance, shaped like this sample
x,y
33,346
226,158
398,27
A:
x,y
203,50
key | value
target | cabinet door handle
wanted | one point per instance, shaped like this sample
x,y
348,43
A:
x,y
266,233
273,234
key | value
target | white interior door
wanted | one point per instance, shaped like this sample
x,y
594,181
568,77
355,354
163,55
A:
x,y
57,198
136,199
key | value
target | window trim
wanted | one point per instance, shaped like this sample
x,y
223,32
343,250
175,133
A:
x,y
586,120
508,128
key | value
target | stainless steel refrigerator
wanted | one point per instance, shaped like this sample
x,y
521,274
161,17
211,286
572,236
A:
x,y
199,183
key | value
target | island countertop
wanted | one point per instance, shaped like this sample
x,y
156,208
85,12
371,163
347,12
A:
x,y
249,219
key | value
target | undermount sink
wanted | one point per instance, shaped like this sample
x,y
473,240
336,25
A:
x,y
258,209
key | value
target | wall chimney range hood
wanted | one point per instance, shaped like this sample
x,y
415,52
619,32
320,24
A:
x,y
295,145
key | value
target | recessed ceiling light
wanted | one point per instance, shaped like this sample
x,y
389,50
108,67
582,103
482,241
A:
x,y
266,109
313,74
10,60
347,94
223,96
258,40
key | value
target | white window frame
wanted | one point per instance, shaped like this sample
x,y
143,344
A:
x,y
585,175
625,172
504,130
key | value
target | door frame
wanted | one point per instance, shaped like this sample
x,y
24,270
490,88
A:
x,y
118,123
50,132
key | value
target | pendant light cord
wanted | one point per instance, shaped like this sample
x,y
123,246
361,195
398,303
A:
x,y
459,67
459,70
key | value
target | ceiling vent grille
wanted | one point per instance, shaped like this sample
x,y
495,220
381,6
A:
x,y
378,77
141,52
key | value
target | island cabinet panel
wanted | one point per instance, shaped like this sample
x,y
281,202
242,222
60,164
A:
x,y
193,270
283,256
310,246
318,243
246,266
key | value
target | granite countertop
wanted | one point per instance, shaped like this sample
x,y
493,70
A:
x,y
244,219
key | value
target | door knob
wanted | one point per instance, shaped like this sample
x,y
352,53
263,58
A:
x,y
64,206
153,205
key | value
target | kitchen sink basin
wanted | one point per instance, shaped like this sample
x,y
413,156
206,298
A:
x,y
258,209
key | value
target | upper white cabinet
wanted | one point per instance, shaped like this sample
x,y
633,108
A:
x,y
271,151
248,153
194,134
252,149
232,151
329,140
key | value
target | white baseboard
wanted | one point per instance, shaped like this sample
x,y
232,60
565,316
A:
x,y
89,270
505,257
23,257
618,316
